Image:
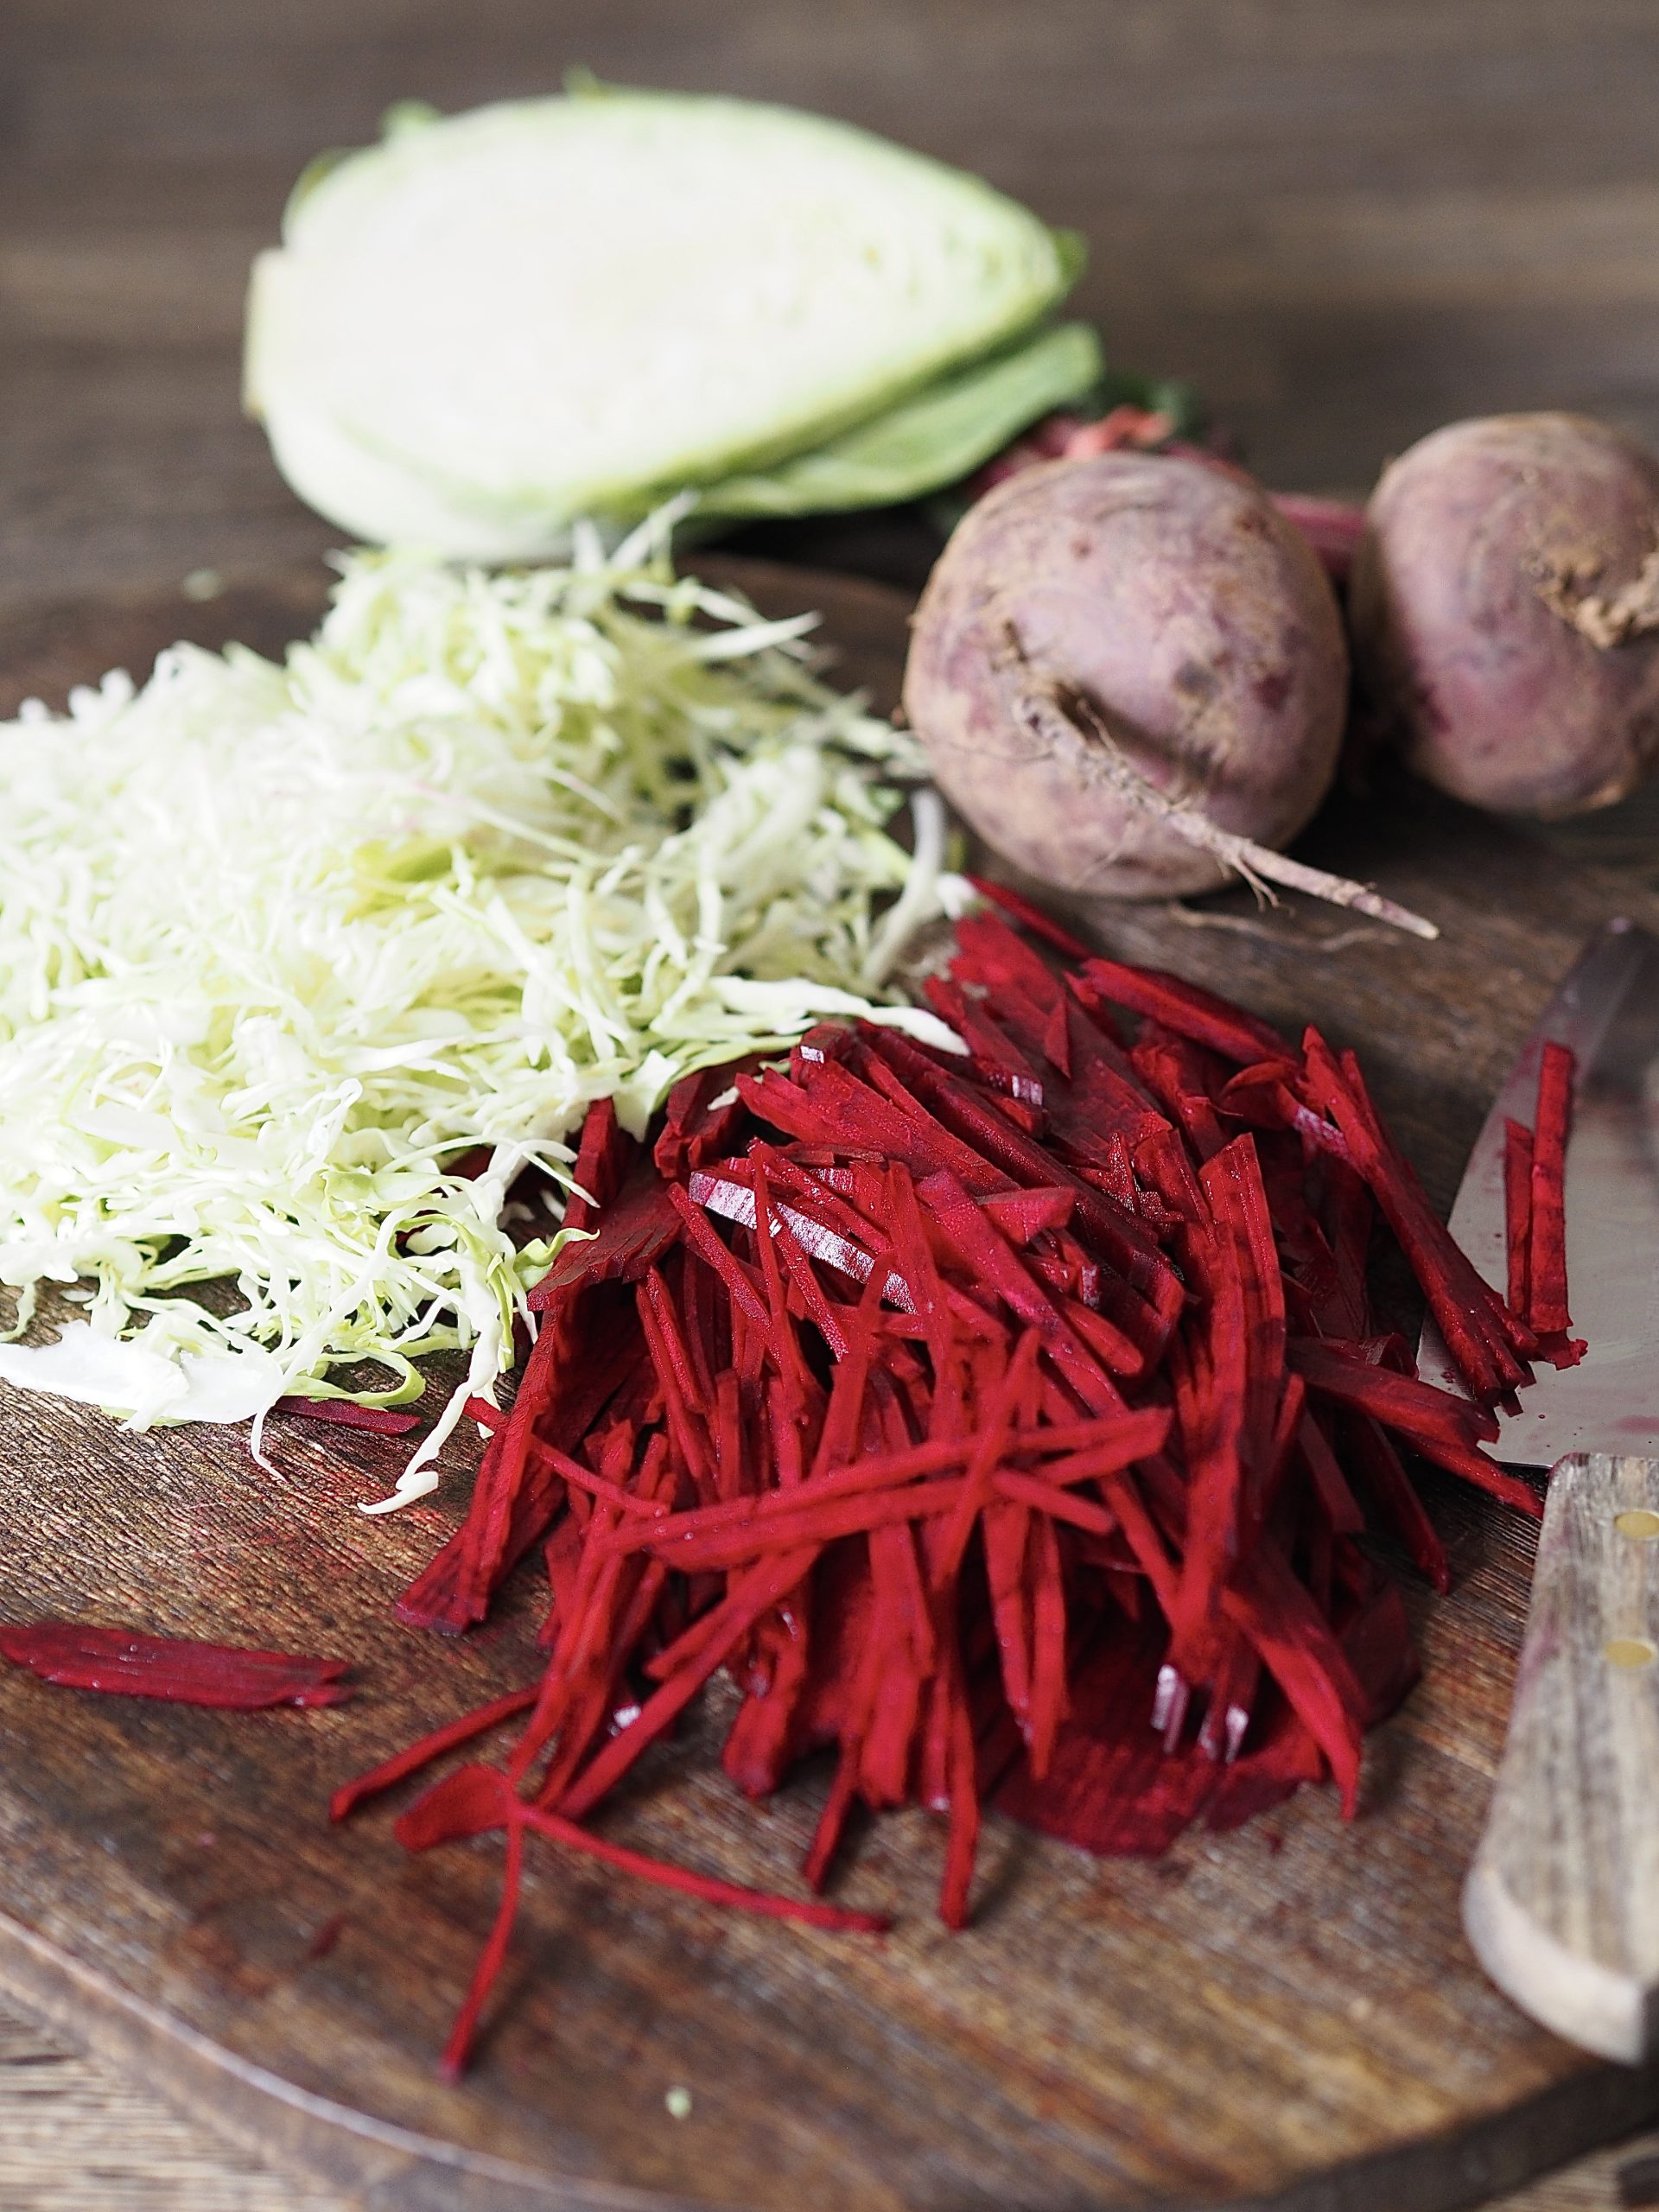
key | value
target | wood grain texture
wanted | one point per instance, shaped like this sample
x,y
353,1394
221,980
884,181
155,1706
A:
x,y
1563,1901
79,2136
1285,2016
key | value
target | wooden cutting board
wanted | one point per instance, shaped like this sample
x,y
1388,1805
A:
x,y
1286,2016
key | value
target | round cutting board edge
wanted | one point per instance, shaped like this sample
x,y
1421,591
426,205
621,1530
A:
x,y
126,1998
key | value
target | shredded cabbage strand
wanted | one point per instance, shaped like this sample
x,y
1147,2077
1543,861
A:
x,y
281,948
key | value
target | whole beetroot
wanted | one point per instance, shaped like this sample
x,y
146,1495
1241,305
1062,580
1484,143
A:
x,y
1504,611
1125,665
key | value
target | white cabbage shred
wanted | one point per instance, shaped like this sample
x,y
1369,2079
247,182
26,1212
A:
x,y
280,947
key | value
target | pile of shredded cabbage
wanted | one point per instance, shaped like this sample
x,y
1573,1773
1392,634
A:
x,y
280,947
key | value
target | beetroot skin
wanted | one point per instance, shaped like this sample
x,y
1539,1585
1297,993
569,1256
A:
x,y
1190,616
1504,612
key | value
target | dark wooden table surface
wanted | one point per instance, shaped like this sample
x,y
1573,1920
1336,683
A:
x,y
1346,220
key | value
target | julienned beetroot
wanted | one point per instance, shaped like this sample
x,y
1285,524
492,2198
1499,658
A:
x,y
1534,1209
1504,611
346,1413
178,1670
1004,1423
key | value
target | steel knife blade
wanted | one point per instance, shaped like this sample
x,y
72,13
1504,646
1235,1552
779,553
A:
x,y
1562,1903
1607,1012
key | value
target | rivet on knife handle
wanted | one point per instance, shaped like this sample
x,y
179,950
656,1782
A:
x,y
1562,1902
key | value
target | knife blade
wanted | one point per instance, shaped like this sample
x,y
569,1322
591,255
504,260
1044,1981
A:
x,y
1607,1012
1562,1903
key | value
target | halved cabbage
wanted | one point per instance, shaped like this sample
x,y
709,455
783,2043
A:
x,y
492,323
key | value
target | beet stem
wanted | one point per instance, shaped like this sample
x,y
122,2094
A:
x,y
1052,713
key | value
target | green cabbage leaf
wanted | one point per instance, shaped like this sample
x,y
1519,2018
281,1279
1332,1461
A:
x,y
937,437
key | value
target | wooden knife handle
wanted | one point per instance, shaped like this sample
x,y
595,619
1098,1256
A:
x,y
1562,1902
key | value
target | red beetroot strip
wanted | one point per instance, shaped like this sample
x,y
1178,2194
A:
x,y
178,1670
346,1413
1005,1424
1547,1227
1534,1211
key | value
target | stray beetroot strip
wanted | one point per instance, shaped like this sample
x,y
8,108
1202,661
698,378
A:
x,y
1381,1468
127,1663
1481,1334
350,1795
1517,1214
708,1887
1004,1424
1534,1213
1416,1410
346,1413
1031,917
1547,1252
1187,1009
478,1799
